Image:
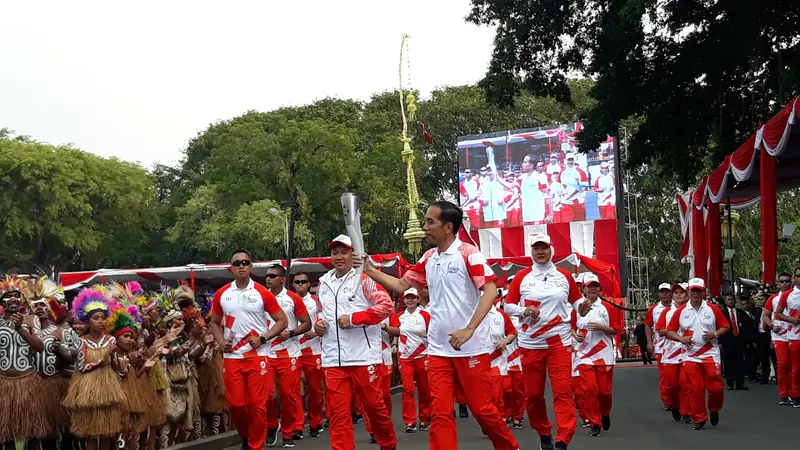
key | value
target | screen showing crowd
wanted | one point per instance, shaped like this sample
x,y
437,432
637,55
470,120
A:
x,y
530,177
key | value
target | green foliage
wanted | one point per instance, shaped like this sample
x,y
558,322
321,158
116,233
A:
x,y
700,74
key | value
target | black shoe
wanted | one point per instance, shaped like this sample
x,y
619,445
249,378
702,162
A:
x,y
742,387
424,426
327,424
785,402
714,418
594,431
676,414
288,444
561,446
686,420
517,425
272,437
357,418
244,445
314,431
585,424
298,435
699,426
667,408
546,443
372,440
606,421
411,428
463,412
730,388
795,403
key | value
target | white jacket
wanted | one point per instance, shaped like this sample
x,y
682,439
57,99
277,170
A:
x,y
367,304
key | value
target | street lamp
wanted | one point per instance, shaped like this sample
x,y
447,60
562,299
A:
x,y
274,211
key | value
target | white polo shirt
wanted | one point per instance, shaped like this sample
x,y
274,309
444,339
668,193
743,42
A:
x,y
311,346
688,321
293,306
650,319
789,303
597,348
672,351
454,279
551,289
500,326
413,344
245,312
783,327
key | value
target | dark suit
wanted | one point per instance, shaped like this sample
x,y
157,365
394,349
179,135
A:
x,y
758,354
733,346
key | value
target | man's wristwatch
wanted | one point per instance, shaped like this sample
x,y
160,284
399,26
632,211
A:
x,y
291,333
262,339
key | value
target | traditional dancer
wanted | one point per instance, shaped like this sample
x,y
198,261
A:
x,y
95,395
49,362
594,329
21,386
210,382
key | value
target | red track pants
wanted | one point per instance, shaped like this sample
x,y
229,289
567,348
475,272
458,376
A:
x,y
461,399
247,390
699,378
677,393
384,374
577,386
343,383
784,370
312,370
514,395
286,371
473,374
498,384
410,370
557,363
594,399
794,371
662,386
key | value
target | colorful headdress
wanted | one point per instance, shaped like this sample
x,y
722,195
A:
x,y
44,289
87,303
12,283
123,319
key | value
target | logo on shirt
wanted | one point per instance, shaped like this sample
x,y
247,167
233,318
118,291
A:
x,y
263,368
473,362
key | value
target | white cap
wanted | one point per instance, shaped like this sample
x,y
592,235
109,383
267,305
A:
x,y
411,291
679,286
589,278
578,277
664,286
604,165
570,156
685,286
540,237
697,283
341,239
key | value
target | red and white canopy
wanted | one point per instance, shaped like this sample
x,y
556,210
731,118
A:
x,y
768,162
213,274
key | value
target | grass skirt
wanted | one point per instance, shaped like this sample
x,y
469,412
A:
x,y
135,405
211,386
95,399
23,409
55,390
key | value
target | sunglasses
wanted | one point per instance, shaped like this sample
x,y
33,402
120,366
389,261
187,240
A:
x,y
273,275
240,263
301,282
785,281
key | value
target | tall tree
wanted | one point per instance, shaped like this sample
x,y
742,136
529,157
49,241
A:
x,y
702,74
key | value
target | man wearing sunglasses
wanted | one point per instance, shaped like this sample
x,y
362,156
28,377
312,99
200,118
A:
x,y
780,342
241,314
788,310
284,353
310,357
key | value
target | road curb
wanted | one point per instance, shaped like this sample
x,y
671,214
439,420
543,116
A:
x,y
216,442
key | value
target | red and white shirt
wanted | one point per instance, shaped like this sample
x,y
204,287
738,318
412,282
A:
x,y
514,351
597,348
293,306
550,289
412,326
672,351
688,321
311,346
245,312
772,306
605,188
500,326
650,319
454,279
789,303
386,345
470,189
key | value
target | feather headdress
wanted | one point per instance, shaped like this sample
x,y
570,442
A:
x,y
12,283
43,288
88,302
123,319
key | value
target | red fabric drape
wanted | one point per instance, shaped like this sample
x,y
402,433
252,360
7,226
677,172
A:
x,y
714,244
699,243
769,219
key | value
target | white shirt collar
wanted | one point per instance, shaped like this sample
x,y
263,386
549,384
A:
x,y
452,249
249,286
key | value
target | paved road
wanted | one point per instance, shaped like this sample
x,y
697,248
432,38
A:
x,y
749,420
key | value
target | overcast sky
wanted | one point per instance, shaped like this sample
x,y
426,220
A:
x,y
137,80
